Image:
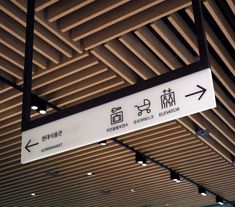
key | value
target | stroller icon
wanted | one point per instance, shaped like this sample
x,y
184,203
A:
x,y
144,107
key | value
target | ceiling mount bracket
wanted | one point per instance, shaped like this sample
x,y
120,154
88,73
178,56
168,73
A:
x,y
201,132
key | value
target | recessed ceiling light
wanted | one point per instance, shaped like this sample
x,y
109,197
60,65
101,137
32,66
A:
x,y
219,200
89,173
202,191
175,176
33,194
132,190
34,102
140,159
38,104
203,194
103,142
42,111
34,107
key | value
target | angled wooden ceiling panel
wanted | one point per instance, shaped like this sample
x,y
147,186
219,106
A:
x,y
87,48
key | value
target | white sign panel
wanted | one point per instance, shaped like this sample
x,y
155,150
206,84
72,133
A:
x,y
172,100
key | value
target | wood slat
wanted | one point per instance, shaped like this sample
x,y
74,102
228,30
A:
x,y
129,59
41,46
157,47
91,92
17,46
72,79
149,15
224,99
41,19
60,9
232,5
115,64
11,69
42,76
186,122
12,57
83,85
39,30
221,21
133,44
111,89
42,4
225,116
213,132
116,15
220,126
65,71
17,32
89,12
161,28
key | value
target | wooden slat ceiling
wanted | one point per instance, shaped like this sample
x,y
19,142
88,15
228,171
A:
x,y
87,48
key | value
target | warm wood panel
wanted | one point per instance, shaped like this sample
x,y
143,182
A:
x,y
221,21
60,9
134,22
87,13
116,15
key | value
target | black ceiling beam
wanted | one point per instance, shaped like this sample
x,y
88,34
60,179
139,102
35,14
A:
x,y
28,64
201,33
8,82
19,88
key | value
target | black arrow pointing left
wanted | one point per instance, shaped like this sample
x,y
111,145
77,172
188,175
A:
x,y
28,145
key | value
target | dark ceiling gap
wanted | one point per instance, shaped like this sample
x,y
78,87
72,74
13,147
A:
x,y
222,87
151,51
214,26
166,45
221,63
182,40
227,12
225,109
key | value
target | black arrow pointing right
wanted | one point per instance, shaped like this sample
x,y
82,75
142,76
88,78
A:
x,y
202,91
28,145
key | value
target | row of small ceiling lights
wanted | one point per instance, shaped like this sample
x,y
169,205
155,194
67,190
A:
x,y
142,160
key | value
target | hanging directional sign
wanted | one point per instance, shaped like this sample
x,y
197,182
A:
x,y
177,98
